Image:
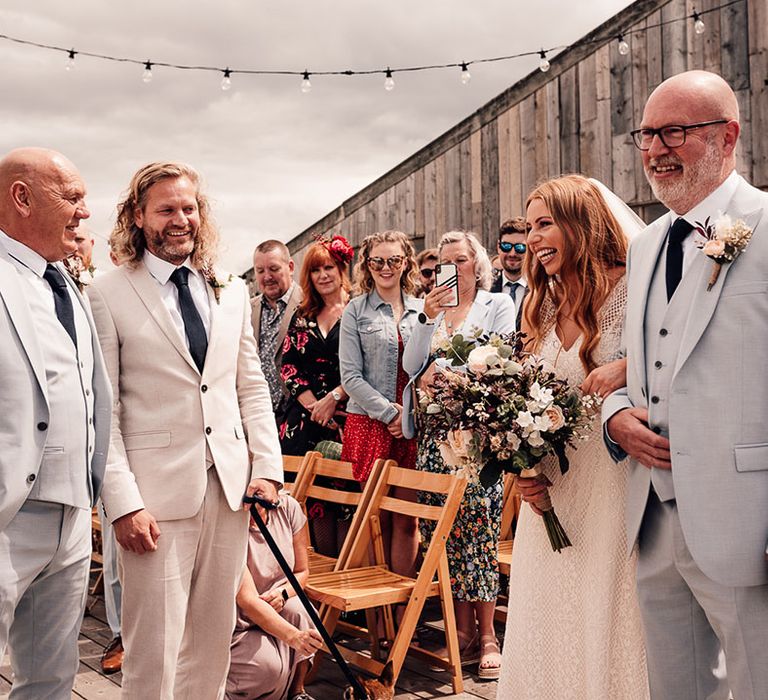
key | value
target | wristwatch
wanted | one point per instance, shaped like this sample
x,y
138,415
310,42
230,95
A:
x,y
284,593
336,395
424,319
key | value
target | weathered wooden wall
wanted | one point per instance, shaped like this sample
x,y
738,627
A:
x,y
575,118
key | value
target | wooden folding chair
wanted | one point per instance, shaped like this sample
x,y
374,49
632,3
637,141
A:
x,y
308,488
509,515
362,587
295,466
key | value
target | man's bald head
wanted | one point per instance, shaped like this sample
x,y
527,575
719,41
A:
x,y
684,175
42,201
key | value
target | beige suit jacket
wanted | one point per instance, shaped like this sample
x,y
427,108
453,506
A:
x,y
167,415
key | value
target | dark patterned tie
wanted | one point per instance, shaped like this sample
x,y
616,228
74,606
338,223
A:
x,y
193,324
513,287
677,234
61,300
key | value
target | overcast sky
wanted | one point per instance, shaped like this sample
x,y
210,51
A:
x,y
274,160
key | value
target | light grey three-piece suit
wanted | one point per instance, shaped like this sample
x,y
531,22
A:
x,y
699,364
55,410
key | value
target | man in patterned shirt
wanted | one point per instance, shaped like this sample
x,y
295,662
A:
x,y
273,310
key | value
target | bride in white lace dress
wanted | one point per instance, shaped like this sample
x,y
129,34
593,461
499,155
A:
x,y
573,624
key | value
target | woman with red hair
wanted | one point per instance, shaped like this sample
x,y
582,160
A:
x,y
310,368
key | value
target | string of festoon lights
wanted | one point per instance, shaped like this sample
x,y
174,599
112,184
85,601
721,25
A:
x,y
622,46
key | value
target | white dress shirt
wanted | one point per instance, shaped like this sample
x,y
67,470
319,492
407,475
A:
x,y
161,271
519,293
711,207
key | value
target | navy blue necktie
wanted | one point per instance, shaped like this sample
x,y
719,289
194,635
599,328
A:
x,y
193,324
61,300
677,234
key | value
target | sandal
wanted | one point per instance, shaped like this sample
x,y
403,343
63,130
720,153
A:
x,y
489,667
469,651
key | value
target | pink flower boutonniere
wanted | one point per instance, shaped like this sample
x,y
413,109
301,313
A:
x,y
725,240
216,283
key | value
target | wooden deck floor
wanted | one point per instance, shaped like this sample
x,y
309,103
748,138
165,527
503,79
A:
x,y
416,682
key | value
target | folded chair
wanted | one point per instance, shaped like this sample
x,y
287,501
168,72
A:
x,y
363,586
509,515
294,467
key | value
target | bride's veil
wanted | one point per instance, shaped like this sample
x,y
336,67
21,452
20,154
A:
x,y
630,222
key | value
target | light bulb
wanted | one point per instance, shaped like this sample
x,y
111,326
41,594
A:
x,y
389,81
465,74
146,76
70,62
543,63
226,81
698,26
306,83
623,46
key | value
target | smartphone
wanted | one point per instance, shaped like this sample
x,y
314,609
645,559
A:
x,y
446,275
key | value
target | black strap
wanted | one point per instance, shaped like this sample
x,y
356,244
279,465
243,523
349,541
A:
x,y
677,234
193,324
61,300
357,689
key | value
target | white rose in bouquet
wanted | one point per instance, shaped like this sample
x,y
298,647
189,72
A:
x,y
481,358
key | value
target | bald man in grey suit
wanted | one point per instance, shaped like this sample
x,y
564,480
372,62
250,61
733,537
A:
x,y
55,410
694,415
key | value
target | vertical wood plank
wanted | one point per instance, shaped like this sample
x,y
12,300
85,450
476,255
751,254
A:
x,y
758,70
553,127
452,188
640,92
620,90
465,173
505,169
419,225
398,207
569,122
744,163
476,183
674,44
527,144
540,130
734,26
409,196
430,203
604,140
490,184
653,41
516,189
588,116
442,199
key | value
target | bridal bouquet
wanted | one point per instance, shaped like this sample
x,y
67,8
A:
x,y
494,408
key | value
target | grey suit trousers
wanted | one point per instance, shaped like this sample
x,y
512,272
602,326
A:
x,y
44,556
687,617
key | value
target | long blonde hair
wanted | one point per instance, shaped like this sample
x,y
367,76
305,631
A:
x,y
127,240
362,275
594,246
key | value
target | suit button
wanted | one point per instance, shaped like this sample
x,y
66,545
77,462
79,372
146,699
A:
x,y
42,425
208,431
663,332
656,430
654,399
657,364
30,478
204,388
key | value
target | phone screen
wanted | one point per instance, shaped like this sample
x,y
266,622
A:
x,y
446,275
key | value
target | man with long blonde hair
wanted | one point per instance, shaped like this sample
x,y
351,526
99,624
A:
x,y
191,402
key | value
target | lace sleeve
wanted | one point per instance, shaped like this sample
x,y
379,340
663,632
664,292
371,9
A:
x,y
612,323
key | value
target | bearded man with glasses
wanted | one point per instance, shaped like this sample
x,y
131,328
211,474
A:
x,y
511,247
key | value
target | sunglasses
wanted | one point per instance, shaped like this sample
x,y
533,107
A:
x,y
507,247
427,272
393,263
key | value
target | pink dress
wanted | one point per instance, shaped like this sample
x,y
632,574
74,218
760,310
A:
x,y
261,666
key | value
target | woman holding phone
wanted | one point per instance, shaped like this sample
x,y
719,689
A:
x,y
462,305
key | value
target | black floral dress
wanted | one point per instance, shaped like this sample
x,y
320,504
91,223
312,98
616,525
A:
x,y
310,362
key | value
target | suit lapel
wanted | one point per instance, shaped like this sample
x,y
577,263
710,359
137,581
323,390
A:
x,y
216,320
148,291
704,302
21,317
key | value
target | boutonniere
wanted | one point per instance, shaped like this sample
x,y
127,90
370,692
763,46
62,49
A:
x,y
80,274
215,282
725,240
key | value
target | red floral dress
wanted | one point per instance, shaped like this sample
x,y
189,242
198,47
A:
x,y
367,439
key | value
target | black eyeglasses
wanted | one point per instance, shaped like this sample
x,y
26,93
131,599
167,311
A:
x,y
672,136
427,272
394,262
507,247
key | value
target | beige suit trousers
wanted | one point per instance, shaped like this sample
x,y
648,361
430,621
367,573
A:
x,y
179,603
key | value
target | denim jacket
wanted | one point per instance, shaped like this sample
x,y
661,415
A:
x,y
368,353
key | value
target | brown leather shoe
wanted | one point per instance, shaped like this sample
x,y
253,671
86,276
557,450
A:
x,y
112,658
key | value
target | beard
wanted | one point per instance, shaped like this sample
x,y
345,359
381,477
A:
x,y
165,247
697,181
